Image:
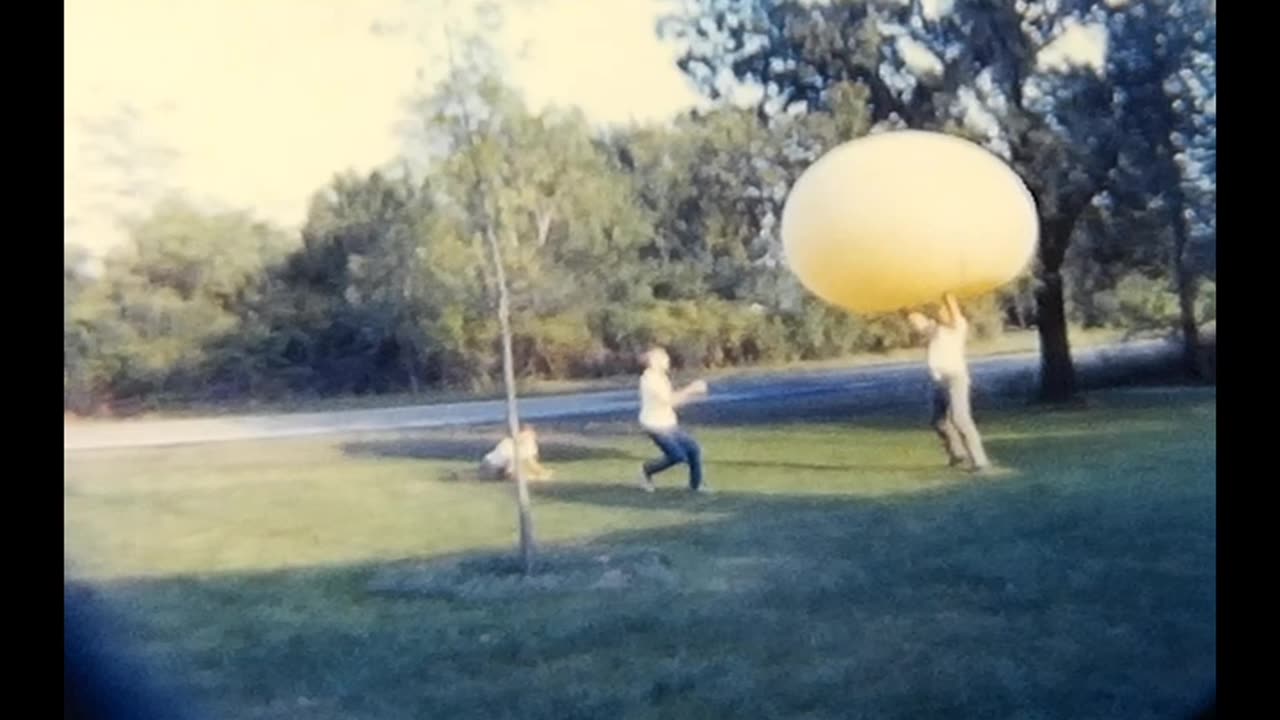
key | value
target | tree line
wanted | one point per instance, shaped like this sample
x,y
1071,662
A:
x,y
614,239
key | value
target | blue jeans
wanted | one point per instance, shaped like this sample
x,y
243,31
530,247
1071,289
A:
x,y
677,447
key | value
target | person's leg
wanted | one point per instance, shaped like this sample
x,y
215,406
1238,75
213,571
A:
x,y
693,456
945,428
962,418
672,454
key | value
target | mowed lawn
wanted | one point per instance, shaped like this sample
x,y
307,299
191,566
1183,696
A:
x,y
840,572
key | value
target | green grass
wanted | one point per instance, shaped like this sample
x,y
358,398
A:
x,y
839,572
1008,343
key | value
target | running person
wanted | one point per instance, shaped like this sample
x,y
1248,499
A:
x,y
658,403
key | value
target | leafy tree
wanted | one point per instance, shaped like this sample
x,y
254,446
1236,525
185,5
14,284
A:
x,y
1164,66
158,320
358,283
485,206
612,240
981,61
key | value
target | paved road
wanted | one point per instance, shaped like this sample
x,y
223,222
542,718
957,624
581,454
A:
x,y
880,384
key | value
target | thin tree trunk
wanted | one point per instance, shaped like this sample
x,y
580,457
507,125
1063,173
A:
x,y
544,226
410,369
410,347
490,219
513,415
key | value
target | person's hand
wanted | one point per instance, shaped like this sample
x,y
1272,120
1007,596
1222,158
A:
x,y
698,387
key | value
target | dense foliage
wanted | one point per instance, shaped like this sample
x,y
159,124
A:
x,y
618,238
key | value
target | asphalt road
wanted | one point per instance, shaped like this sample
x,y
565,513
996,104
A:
x,y
870,385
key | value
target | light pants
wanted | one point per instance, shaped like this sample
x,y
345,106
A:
x,y
953,420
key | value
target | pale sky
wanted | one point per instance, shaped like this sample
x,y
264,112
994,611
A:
x,y
265,100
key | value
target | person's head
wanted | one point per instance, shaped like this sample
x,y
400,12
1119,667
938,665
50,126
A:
x,y
919,322
528,430
657,359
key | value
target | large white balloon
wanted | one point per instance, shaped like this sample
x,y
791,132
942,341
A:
x,y
893,220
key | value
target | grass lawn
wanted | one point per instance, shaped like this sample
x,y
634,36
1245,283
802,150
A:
x,y
839,572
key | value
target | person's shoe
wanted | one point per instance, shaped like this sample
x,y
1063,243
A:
x,y
704,489
955,462
646,483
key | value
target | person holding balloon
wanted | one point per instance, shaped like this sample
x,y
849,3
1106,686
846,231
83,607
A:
x,y
886,222
949,371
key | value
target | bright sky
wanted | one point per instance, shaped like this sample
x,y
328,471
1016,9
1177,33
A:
x,y
265,100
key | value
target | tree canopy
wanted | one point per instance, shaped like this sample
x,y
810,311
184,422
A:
x,y
614,238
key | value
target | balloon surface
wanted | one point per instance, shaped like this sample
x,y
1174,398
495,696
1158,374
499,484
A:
x,y
896,219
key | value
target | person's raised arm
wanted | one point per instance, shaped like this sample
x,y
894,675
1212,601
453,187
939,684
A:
x,y
953,307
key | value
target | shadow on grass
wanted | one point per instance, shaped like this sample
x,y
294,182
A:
x,y
820,467
1080,585
1019,596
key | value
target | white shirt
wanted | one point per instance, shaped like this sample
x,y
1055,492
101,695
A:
x,y
501,456
657,408
946,350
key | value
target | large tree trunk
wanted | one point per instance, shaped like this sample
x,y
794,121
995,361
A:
x,y
1057,372
513,414
1185,278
